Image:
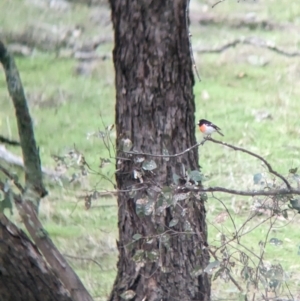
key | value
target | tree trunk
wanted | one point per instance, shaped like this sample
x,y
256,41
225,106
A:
x,y
162,230
24,275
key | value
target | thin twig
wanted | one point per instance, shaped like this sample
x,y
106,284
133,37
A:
x,y
167,156
271,170
263,249
289,290
84,258
234,281
247,193
240,235
233,223
217,3
11,177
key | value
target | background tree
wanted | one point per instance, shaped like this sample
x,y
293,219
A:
x,y
162,232
27,203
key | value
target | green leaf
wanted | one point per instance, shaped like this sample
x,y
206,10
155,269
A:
x,y
162,203
127,145
218,273
7,202
104,162
176,178
173,222
247,272
148,208
285,214
212,266
149,165
180,196
110,127
295,204
187,226
204,197
128,295
197,271
139,256
244,258
140,206
293,170
195,175
152,256
257,178
137,236
165,152
139,159
275,241
165,269
144,206
165,240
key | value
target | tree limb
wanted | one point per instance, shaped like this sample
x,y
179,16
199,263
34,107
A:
x,y
8,141
13,159
249,193
34,188
55,259
11,177
25,275
254,41
271,170
33,172
167,156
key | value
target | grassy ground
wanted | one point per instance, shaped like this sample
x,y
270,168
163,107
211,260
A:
x,y
235,87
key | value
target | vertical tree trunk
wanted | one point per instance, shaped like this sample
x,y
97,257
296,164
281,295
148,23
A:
x,y
161,227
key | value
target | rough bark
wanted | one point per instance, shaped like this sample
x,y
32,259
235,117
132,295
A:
x,y
33,172
155,112
24,275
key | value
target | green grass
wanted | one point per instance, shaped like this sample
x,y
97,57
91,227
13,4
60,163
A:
x,y
66,107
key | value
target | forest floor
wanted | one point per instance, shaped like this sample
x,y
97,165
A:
x,y
250,92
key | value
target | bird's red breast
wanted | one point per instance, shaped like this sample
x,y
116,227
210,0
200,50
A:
x,y
202,128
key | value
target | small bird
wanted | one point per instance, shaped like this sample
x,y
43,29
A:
x,y
207,128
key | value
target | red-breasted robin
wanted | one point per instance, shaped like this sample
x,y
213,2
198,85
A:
x,y
207,128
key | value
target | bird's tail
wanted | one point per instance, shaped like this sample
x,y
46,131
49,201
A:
x,y
220,133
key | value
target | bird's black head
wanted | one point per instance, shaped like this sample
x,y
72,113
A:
x,y
202,121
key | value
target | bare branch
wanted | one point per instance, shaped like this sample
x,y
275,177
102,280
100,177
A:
x,y
254,41
234,281
271,170
270,192
33,172
24,269
8,141
167,156
84,258
42,240
249,193
11,177
229,214
215,4
13,159
27,203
